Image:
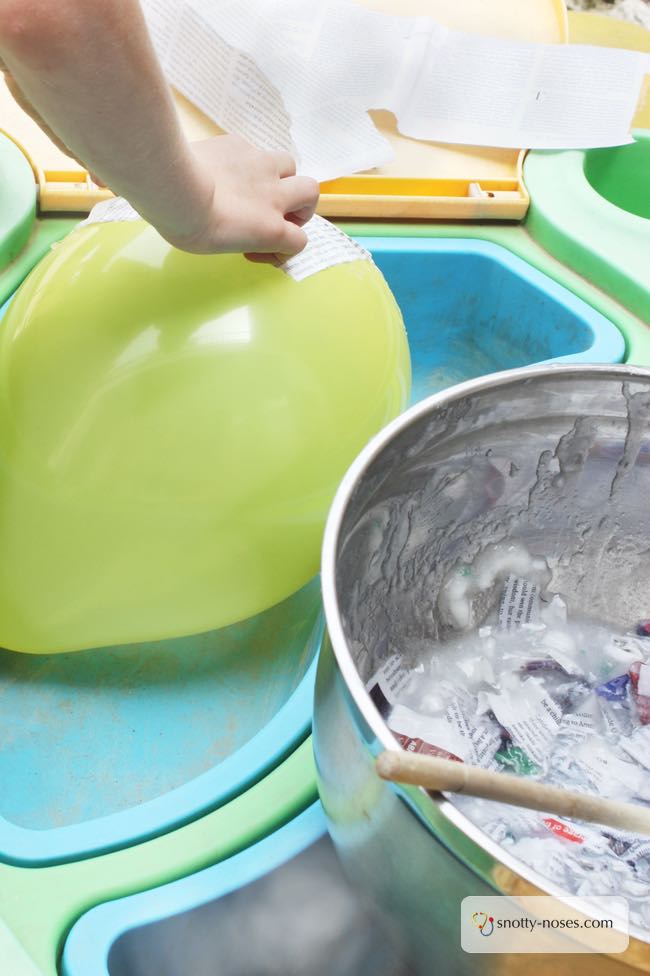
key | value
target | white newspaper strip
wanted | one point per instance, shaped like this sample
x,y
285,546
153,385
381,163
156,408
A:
x,y
627,648
434,732
609,774
519,603
483,738
628,845
110,211
302,74
391,678
531,718
637,746
618,723
456,735
327,245
577,726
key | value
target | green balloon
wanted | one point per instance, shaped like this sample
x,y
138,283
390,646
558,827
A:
x,y
173,429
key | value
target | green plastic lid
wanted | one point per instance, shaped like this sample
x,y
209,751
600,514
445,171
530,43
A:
x,y
17,201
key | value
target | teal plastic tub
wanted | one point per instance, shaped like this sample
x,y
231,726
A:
x,y
472,307
283,906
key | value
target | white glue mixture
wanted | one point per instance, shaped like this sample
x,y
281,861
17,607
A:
x,y
536,693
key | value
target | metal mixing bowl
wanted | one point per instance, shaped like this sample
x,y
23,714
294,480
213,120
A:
x,y
555,457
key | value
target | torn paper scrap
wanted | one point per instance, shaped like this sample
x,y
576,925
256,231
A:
x,y
302,75
386,685
110,211
327,247
456,735
519,603
531,717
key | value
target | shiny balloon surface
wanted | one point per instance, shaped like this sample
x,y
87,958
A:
x,y
173,429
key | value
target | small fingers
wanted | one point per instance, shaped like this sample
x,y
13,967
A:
x,y
300,197
258,258
280,242
301,217
294,239
286,164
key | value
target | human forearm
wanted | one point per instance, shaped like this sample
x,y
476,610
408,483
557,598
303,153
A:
x,y
90,69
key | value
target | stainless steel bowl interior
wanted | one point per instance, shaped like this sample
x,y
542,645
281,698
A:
x,y
555,457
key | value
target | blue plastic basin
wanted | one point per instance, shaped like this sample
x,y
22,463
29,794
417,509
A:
x,y
282,906
101,941
106,747
472,307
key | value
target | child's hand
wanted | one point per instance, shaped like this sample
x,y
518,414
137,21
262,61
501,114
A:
x,y
89,72
258,204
